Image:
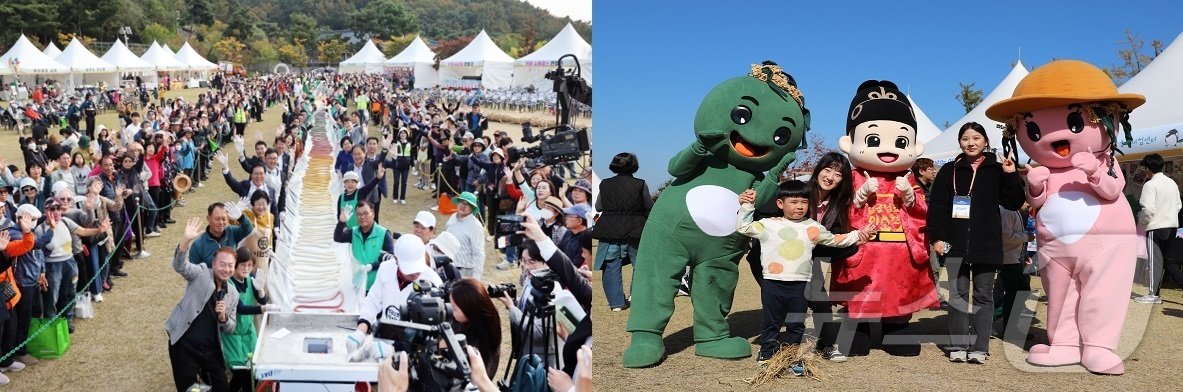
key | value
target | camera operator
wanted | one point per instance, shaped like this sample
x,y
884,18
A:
x,y
538,254
393,283
477,318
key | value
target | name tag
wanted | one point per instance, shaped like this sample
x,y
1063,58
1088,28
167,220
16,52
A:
x,y
960,207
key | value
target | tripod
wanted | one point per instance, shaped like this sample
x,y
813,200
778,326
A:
x,y
543,316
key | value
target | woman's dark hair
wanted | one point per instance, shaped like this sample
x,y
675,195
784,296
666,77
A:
x,y
259,195
74,159
793,188
529,247
977,128
243,255
341,143
483,328
624,163
835,218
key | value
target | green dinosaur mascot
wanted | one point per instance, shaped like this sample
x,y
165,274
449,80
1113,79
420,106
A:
x,y
745,127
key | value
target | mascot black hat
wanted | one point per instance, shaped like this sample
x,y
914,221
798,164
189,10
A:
x,y
879,100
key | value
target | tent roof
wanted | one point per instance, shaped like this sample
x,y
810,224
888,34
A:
x,y
123,59
480,49
1162,84
369,54
946,146
32,61
416,52
160,59
926,130
79,59
52,51
567,41
190,57
168,49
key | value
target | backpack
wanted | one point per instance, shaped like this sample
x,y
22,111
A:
x,y
530,375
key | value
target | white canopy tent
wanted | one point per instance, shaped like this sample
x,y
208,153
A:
x,y
926,130
86,67
126,62
480,61
945,147
162,60
199,67
1157,123
367,60
419,59
28,63
52,51
532,69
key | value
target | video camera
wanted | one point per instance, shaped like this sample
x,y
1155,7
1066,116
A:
x,y
542,287
423,323
502,290
564,144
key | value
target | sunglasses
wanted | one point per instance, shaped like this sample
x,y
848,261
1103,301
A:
x,y
26,189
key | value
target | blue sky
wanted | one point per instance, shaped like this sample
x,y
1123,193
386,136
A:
x,y
655,60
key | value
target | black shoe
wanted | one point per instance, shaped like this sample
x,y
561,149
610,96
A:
x,y
125,256
170,221
118,274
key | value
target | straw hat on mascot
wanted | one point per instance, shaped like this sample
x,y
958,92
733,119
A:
x,y
888,278
1065,116
745,127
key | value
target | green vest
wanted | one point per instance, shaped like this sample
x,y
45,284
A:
x,y
366,251
237,347
240,115
348,205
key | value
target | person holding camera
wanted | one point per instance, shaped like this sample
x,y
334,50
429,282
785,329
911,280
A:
x,y
540,256
393,286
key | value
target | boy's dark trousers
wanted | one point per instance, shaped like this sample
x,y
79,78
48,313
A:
x,y
781,299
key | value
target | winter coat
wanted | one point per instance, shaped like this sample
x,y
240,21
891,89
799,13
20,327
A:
x,y
979,238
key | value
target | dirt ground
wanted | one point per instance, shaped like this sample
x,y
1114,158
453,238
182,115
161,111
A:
x,y
1150,339
125,348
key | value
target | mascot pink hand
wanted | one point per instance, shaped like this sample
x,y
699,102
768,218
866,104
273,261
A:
x,y
1085,161
1037,178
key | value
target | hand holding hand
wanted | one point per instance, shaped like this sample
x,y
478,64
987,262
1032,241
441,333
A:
x,y
867,233
747,197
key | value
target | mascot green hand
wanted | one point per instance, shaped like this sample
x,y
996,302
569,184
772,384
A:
x,y
745,127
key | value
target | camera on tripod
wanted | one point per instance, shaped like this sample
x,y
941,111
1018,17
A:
x,y
502,290
542,287
564,144
423,323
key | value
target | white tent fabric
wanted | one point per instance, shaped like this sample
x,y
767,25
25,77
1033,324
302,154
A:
x,y
367,60
85,66
420,58
168,50
30,60
124,60
531,69
926,130
1162,84
188,56
482,60
945,147
52,51
159,58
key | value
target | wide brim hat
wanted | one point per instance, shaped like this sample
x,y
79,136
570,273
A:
x,y
468,197
448,244
182,183
1061,83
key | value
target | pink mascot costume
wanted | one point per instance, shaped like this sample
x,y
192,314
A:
x,y
1065,116
889,278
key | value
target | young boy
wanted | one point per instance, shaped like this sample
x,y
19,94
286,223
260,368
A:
x,y
786,247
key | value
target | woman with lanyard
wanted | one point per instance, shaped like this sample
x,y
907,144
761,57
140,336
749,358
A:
x,y
260,240
402,165
966,229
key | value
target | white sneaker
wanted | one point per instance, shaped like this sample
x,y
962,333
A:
x,y
27,360
4,379
201,185
435,208
143,254
403,201
977,357
98,297
1148,299
16,366
153,234
957,356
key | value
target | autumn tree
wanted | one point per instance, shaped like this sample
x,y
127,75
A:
x,y
65,38
449,47
1132,57
330,50
229,49
155,32
293,53
968,96
808,156
394,45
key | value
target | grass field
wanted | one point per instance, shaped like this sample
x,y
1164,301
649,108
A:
x,y
125,348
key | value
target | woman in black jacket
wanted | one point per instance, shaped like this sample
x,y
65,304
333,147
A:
x,y
965,227
625,203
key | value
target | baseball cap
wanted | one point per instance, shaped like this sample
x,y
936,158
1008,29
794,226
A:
x,y
425,218
410,252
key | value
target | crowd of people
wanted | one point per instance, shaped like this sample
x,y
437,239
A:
x,y
989,267
90,195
